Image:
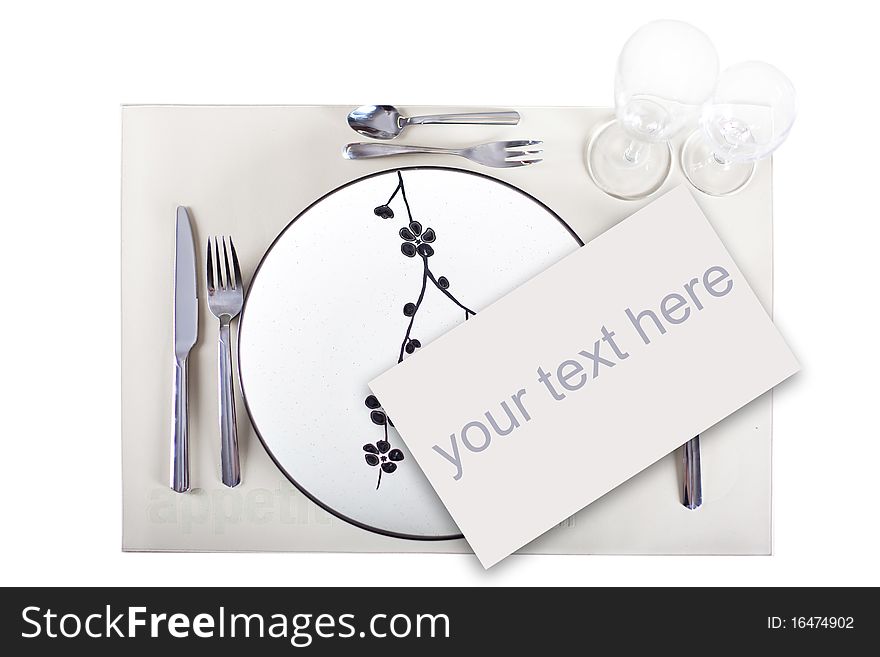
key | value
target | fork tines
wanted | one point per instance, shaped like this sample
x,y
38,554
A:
x,y
223,277
513,154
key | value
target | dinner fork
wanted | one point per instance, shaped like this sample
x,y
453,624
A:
x,y
225,298
499,154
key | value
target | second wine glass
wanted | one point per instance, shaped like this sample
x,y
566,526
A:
x,y
665,72
751,114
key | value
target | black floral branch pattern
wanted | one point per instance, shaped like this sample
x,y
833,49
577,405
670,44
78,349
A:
x,y
416,241
385,210
381,453
442,284
410,309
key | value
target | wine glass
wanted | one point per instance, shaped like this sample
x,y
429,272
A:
x,y
750,115
666,71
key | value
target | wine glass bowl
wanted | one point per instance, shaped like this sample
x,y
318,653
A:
x,y
666,70
751,114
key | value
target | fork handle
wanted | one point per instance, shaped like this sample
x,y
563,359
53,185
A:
x,y
179,429
230,472
361,150
470,118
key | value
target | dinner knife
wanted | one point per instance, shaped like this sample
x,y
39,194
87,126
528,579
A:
x,y
186,326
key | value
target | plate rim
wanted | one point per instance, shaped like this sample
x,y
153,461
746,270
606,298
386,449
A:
x,y
287,475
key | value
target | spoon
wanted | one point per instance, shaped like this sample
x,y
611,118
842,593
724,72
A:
x,y
386,122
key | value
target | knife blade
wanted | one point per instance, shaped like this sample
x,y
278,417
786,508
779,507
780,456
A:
x,y
185,326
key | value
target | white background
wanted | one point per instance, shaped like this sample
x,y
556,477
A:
x,y
66,67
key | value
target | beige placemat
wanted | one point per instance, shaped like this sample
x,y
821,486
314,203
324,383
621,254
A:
x,y
247,171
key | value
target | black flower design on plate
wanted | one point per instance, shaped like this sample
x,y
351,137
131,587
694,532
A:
x,y
377,413
417,241
383,211
382,455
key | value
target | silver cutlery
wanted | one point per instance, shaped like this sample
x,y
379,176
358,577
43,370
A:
x,y
692,489
499,154
225,298
386,122
186,326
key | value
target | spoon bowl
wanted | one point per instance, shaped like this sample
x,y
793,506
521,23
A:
x,y
376,121
386,121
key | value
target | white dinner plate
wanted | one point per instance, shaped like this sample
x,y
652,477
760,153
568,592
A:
x,y
331,307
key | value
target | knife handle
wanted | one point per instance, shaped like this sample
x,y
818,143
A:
x,y
230,472
692,493
180,433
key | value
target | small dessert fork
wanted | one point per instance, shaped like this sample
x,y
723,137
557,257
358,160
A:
x,y
225,298
498,154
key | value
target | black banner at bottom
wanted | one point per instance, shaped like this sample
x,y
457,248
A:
x,y
279,621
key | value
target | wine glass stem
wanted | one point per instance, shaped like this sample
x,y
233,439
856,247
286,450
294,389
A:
x,y
633,151
720,160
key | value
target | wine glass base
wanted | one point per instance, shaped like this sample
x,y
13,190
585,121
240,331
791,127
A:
x,y
709,175
623,178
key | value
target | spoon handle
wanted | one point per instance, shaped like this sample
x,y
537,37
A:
x,y
360,151
474,118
